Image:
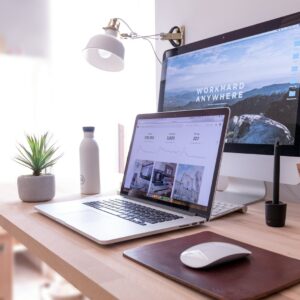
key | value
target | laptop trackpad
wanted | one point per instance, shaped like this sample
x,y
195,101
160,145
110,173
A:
x,y
85,217
100,226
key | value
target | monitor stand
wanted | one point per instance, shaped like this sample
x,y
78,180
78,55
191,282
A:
x,y
242,191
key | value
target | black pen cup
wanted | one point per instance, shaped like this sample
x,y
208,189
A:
x,y
275,214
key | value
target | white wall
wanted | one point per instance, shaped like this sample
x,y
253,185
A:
x,y
206,18
24,27
62,93
82,95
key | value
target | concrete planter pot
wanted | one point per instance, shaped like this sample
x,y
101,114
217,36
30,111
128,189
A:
x,y
36,188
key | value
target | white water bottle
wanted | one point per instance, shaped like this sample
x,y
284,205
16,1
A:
x,y
89,163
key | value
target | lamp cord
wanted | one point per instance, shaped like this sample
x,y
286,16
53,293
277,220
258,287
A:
x,y
123,21
134,35
146,39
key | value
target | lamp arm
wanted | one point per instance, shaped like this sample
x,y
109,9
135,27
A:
x,y
175,35
132,34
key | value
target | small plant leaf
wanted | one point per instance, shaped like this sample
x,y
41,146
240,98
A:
x,y
39,155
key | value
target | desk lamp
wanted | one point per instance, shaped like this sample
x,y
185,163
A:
x,y
106,51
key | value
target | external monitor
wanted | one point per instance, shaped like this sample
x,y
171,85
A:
x,y
256,72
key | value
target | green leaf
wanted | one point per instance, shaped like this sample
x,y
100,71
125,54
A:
x,y
38,154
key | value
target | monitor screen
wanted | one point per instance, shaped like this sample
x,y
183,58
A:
x,y
255,71
175,159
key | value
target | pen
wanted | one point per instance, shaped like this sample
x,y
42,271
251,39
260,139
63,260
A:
x,y
276,171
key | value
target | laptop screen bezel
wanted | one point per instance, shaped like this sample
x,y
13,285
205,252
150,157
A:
x,y
185,206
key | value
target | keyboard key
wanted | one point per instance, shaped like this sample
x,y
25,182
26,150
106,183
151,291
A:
x,y
133,212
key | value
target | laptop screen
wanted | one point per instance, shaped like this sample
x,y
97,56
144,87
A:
x,y
174,159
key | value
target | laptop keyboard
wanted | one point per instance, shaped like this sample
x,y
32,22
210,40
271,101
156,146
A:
x,y
133,212
221,208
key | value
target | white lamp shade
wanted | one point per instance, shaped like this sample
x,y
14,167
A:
x,y
105,52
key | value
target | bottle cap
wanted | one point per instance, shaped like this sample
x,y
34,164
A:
x,y
88,129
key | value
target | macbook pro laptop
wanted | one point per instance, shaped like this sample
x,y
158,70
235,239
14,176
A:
x,y
169,180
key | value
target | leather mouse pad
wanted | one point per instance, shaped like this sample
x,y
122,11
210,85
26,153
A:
x,y
256,276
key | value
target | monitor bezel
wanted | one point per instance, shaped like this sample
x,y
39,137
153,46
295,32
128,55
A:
x,y
199,210
278,23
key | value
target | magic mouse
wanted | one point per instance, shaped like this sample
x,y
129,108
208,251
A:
x,y
212,254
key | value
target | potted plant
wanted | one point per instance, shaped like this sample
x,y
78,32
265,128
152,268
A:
x,y
37,156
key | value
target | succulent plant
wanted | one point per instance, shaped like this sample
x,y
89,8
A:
x,y
38,154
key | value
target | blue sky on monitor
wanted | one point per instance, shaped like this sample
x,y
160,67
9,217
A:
x,y
257,61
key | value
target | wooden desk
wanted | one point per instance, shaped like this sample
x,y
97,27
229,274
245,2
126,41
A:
x,y
6,262
101,272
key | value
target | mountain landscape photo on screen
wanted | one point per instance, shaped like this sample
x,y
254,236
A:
x,y
257,77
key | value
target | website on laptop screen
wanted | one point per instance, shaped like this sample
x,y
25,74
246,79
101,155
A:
x,y
174,159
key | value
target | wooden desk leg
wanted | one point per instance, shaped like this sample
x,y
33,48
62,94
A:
x,y
6,267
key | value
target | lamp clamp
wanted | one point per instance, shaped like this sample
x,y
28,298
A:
x,y
176,36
